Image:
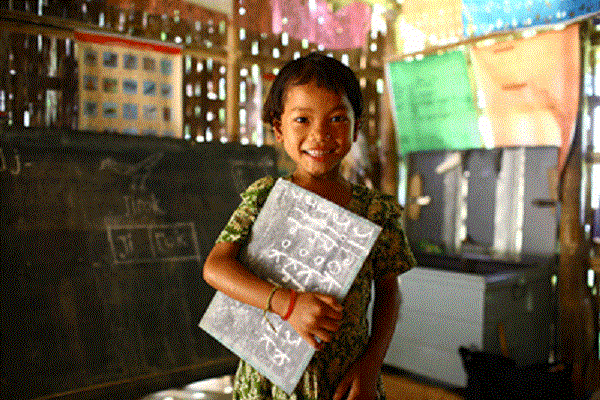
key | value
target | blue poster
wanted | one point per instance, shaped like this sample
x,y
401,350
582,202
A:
x,y
481,17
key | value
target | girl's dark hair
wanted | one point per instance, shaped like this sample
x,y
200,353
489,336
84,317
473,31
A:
x,y
326,72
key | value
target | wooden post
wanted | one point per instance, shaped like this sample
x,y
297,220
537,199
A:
x,y
576,318
576,331
389,163
389,167
233,73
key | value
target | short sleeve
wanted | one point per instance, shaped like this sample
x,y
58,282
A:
x,y
239,225
391,252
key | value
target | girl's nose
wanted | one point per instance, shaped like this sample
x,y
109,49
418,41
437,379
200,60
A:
x,y
320,131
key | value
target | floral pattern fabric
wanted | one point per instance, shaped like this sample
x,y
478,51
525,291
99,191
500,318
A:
x,y
389,255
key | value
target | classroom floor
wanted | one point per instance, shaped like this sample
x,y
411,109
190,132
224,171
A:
x,y
401,387
398,386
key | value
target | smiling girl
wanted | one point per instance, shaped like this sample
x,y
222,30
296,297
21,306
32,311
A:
x,y
314,107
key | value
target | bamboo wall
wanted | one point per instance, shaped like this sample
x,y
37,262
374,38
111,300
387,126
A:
x,y
38,65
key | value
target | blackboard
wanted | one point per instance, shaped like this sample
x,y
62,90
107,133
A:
x,y
103,239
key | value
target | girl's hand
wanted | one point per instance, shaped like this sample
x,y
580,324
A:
x,y
316,317
360,382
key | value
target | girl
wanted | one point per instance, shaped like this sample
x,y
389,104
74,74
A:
x,y
314,107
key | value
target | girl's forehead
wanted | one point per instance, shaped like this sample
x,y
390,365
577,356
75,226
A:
x,y
313,83
313,93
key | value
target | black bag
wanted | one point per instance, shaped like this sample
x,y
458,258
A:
x,y
493,376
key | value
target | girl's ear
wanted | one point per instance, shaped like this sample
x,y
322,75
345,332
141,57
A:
x,y
277,130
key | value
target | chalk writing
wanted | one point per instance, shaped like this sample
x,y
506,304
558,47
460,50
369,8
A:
x,y
302,241
4,165
139,172
134,244
136,206
103,237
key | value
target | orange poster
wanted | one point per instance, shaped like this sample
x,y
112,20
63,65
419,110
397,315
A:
x,y
531,89
428,23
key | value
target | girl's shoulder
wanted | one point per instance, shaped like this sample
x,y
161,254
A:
x,y
240,222
266,182
259,189
378,206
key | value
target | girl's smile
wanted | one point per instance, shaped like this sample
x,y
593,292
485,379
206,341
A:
x,y
317,128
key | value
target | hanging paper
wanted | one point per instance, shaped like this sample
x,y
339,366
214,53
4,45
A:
x,y
433,103
482,17
531,89
315,21
428,23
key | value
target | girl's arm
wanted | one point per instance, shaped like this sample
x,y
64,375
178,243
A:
x,y
314,315
223,272
360,382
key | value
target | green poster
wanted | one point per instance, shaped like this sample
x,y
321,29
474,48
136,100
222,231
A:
x,y
433,104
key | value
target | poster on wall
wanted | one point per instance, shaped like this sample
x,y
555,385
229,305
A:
x,y
520,101
345,28
129,86
527,103
425,23
433,104
481,17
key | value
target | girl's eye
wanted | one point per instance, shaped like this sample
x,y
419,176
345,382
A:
x,y
301,119
339,118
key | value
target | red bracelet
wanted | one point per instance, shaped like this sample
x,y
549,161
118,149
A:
x,y
292,304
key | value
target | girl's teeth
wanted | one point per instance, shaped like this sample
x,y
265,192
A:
x,y
316,153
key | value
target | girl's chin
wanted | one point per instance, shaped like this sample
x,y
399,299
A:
x,y
318,173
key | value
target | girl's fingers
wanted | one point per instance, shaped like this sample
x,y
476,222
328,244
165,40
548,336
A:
x,y
331,302
316,318
324,335
312,341
342,389
323,325
331,325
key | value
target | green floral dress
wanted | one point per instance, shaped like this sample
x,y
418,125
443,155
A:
x,y
390,254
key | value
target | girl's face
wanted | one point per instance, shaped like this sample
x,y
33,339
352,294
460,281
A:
x,y
317,128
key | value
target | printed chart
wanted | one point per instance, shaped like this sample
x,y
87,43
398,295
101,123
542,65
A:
x,y
129,86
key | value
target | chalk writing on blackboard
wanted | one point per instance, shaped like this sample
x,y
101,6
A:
x,y
102,239
135,205
14,168
134,244
139,172
301,241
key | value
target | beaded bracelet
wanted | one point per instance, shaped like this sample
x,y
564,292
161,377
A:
x,y
293,296
268,306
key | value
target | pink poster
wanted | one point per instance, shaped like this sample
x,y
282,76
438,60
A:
x,y
315,21
531,89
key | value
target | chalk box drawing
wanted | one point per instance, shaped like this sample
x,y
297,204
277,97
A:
x,y
300,241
